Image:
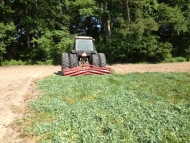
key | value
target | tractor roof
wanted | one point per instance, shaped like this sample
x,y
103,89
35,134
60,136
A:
x,y
83,37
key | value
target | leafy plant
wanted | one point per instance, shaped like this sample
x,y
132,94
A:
x,y
138,107
13,62
180,59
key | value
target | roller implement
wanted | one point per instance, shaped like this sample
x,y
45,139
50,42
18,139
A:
x,y
83,59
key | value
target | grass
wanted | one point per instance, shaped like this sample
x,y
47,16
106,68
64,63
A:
x,y
137,107
29,62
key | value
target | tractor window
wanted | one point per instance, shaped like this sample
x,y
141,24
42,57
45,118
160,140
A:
x,y
82,44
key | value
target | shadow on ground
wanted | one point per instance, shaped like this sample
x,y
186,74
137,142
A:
x,y
59,73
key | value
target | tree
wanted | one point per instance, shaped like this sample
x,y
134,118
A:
x,y
7,29
38,24
125,30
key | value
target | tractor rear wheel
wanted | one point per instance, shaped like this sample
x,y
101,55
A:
x,y
102,59
64,61
95,60
73,60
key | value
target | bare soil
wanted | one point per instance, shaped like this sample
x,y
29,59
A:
x,y
17,88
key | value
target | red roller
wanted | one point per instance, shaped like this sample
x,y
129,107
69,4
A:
x,y
86,69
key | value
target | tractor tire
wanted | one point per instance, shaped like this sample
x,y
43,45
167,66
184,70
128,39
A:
x,y
95,60
64,61
102,59
73,60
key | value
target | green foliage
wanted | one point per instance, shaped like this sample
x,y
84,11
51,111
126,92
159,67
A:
x,y
13,62
86,7
187,54
7,32
145,24
151,107
64,45
51,44
139,48
29,62
172,16
180,59
164,51
174,60
152,30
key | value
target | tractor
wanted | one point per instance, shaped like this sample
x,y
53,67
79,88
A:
x,y
83,59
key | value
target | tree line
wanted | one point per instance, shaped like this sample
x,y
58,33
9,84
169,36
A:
x,y
125,30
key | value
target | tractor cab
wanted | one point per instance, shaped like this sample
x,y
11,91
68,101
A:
x,y
83,45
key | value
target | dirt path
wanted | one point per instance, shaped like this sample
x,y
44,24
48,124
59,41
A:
x,y
169,67
17,83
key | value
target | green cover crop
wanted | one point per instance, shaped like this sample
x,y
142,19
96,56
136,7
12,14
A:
x,y
139,107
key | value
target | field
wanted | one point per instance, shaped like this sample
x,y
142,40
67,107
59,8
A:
x,y
134,107
18,89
